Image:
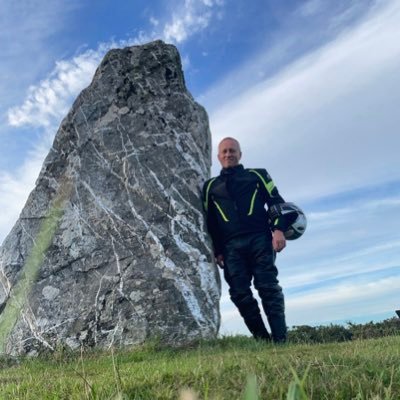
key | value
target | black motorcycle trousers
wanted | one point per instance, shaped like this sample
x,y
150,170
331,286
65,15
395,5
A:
x,y
250,258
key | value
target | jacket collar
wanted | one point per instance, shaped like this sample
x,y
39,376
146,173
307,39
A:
x,y
232,170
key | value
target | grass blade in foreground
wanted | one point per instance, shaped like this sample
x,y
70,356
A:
x,y
214,370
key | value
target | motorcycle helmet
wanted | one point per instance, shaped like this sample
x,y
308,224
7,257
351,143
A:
x,y
296,219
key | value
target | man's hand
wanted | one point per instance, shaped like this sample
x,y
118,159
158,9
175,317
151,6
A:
x,y
219,259
278,240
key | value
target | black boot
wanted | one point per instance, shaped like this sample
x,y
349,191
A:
x,y
257,328
278,327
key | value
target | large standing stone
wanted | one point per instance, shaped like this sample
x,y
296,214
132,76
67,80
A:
x,y
110,247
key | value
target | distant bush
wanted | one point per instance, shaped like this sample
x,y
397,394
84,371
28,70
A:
x,y
340,333
388,327
319,334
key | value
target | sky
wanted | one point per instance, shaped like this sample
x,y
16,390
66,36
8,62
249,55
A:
x,y
310,88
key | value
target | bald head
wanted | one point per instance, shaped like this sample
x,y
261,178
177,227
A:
x,y
229,152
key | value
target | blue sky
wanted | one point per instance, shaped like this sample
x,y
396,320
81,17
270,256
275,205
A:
x,y
310,89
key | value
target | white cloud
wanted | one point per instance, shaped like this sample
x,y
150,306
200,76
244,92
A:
x,y
336,266
325,304
154,21
289,125
15,187
350,11
344,242
344,301
48,101
316,275
212,3
310,8
330,121
29,23
359,209
185,62
26,28
193,17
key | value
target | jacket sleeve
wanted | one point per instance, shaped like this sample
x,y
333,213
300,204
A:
x,y
272,197
211,220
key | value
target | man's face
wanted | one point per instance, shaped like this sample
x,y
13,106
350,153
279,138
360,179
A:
x,y
229,153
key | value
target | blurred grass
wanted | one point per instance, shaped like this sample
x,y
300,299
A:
x,y
20,292
228,368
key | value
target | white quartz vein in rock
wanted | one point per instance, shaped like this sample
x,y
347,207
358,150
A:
x,y
171,271
5,283
197,260
96,306
109,212
188,157
121,282
30,320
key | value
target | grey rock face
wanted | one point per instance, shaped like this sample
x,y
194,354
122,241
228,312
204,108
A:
x,y
110,247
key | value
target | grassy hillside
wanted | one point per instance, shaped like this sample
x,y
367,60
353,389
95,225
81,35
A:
x,y
229,368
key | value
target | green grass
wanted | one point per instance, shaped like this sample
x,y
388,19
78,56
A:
x,y
228,368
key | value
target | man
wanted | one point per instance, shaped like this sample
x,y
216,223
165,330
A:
x,y
244,245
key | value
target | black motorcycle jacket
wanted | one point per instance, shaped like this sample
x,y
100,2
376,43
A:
x,y
234,203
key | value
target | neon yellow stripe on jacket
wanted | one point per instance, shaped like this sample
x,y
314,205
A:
x,y
252,201
208,189
221,212
269,186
